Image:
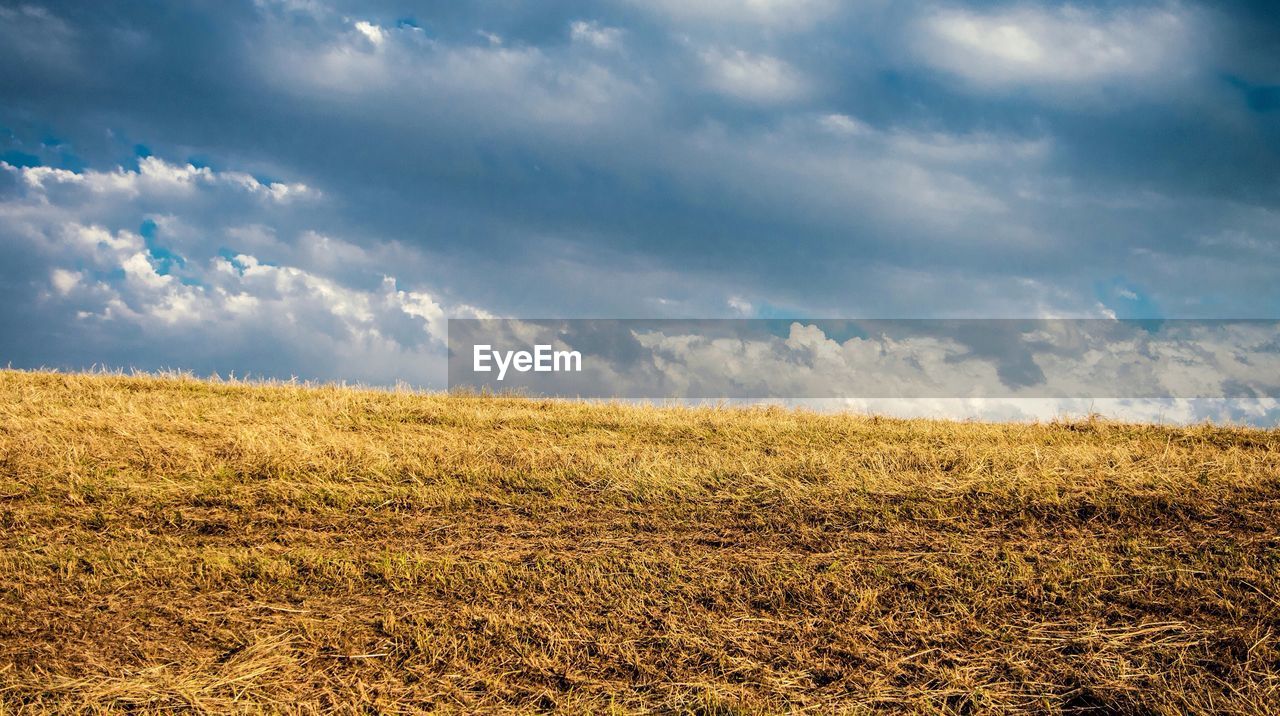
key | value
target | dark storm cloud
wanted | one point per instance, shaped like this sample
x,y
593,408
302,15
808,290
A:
x,y
779,157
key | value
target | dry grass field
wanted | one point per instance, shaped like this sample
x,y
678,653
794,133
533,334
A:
x,y
169,544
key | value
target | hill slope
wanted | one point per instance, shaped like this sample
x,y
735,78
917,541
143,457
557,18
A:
x,y
179,544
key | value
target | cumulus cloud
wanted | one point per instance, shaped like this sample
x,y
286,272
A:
x,y
983,367
1067,45
64,281
373,33
159,283
740,305
1178,411
156,176
1091,359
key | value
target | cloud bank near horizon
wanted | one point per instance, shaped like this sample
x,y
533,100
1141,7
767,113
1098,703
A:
x,y
1179,370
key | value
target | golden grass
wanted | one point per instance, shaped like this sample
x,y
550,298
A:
x,y
171,544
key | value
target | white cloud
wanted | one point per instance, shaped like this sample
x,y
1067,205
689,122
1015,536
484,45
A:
x,y
753,77
595,34
373,33
239,289
1177,411
65,281
423,305
137,268
95,239
304,293
1029,45
156,176
843,124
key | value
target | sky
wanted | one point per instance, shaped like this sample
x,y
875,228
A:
x,y
311,188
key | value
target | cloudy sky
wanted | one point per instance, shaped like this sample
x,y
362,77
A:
x,y
311,187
